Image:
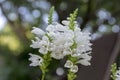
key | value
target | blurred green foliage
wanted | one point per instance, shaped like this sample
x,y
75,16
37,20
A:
x,y
22,15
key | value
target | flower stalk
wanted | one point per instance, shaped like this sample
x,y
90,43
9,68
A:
x,y
44,67
71,75
50,18
114,70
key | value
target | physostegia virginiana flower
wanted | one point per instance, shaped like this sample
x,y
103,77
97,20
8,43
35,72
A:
x,y
60,40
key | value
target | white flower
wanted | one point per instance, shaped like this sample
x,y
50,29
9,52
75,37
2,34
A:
x,y
59,39
74,69
35,59
85,59
118,74
84,62
65,22
62,39
35,44
44,45
83,42
68,64
86,56
57,55
55,27
38,31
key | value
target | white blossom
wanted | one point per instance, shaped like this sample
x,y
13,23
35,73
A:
x,y
74,69
68,64
44,45
35,59
55,27
35,44
38,31
59,39
62,39
84,59
84,62
118,74
65,22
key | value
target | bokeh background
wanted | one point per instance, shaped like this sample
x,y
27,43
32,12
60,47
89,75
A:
x,y
17,17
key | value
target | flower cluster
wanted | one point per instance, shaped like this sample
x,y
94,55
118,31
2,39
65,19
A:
x,y
59,41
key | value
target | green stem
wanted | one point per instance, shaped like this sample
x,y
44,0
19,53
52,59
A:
x,y
71,75
43,72
43,76
44,67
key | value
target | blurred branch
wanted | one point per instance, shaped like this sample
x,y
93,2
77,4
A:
x,y
22,27
86,18
21,35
